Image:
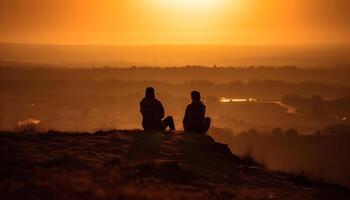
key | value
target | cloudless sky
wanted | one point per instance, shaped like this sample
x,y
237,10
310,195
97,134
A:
x,y
175,21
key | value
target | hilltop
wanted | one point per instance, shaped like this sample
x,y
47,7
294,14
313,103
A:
x,y
139,165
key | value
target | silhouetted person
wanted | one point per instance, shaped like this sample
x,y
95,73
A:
x,y
195,120
153,113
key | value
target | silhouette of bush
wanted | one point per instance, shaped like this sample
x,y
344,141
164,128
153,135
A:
x,y
249,159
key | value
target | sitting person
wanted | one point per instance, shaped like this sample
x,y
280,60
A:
x,y
153,113
195,120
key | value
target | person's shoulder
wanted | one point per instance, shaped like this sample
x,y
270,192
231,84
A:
x,y
201,104
189,105
142,100
157,102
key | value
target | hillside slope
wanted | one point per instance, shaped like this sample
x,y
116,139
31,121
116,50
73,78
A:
x,y
139,165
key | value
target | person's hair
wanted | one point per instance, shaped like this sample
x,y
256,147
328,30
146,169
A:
x,y
195,95
150,92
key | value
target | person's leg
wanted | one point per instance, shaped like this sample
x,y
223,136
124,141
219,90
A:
x,y
185,125
145,126
169,121
206,126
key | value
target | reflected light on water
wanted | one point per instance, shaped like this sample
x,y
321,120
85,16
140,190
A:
x,y
29,122
225,100
235,100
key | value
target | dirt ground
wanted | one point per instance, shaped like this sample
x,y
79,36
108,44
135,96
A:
x,y
139,165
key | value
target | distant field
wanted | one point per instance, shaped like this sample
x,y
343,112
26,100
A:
x,y
105,98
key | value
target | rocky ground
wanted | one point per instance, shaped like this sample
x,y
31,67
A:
x,y
140,165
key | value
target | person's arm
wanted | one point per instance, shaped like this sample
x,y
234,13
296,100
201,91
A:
x,y
141,108
185,120
203,111
161,110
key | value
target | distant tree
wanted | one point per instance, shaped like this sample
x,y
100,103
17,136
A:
x,y
252,132
340,129
317,133
277,132
291,132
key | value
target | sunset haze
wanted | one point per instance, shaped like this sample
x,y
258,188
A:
x,y
125,22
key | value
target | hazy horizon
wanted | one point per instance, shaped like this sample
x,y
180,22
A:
x,y
316,55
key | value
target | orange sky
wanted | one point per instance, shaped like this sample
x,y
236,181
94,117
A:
x,y
174,21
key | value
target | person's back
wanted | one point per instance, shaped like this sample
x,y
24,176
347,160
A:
x,y
153,112
194,119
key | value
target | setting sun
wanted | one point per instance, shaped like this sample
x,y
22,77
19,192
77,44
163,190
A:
x,y
192,5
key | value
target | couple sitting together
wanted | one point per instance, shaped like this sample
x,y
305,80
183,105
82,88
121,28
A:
x,y
153,113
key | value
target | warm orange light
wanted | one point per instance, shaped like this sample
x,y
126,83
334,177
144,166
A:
x,y
173,22
192,5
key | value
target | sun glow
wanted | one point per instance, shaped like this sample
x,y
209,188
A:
x,y
193,21
193,5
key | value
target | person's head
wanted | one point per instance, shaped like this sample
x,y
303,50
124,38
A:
x,y
195,96
150,92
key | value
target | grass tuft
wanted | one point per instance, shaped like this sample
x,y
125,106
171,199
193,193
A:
x,y
250,160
